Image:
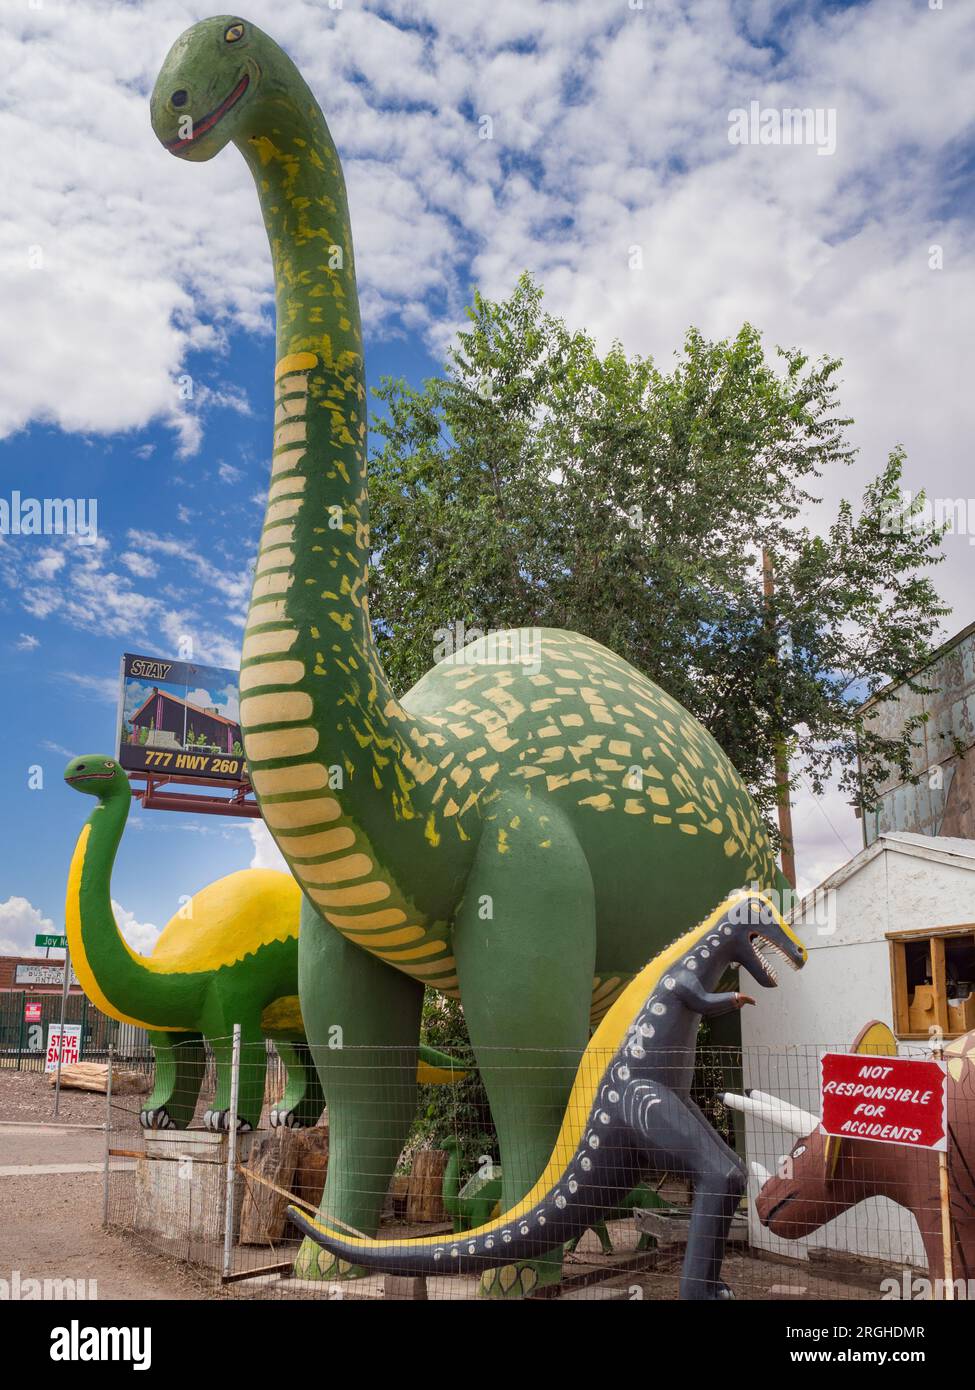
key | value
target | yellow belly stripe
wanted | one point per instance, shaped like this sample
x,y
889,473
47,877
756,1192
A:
x,y
393,938
276,709
272,673
295,362
430,967
289,409
358,896
287,462
287,487
277,535
280,511
275,557
428,948
267,643
352,866
333,870
291,815
290,434
277,582
370,921
266,610
308,847
283,743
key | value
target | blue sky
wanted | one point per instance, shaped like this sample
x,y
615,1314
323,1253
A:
x,y
137,345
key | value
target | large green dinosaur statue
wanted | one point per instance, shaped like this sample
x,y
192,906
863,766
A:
x,y
230,952
525,825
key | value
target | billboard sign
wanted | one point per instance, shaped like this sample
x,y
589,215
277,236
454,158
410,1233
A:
x,y
180,719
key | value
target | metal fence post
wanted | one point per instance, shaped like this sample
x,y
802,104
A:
x,y
108,1134
228,1217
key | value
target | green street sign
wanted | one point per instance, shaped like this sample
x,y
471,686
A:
x,y
45,939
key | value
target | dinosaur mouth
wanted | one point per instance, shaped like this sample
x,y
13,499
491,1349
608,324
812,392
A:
x,y
91,777
203,127
764,948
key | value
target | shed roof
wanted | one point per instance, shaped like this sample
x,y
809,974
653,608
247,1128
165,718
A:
x,y
938,849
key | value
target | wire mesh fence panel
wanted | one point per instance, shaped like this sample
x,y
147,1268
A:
x,y
697,1174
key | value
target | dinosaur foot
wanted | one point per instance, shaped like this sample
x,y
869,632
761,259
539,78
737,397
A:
x,y
312,1262
219,1121
519,1280
717,1292
285,1119
159,1118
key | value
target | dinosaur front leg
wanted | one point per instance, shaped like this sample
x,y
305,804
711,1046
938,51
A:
x,y
303,1100
362,1022
221,1012
675,1136
180,1064
524,940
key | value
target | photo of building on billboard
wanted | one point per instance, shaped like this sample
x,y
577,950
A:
x,y
179,719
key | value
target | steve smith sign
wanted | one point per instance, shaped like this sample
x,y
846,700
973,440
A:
x,y
889,1100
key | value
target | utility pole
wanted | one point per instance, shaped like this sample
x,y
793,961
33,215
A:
x,y
783,802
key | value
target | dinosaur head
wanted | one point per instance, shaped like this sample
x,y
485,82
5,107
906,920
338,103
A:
x,y
209,85
755,933
98,775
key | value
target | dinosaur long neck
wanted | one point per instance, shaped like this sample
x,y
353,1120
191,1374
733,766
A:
x,y
111,974
325,740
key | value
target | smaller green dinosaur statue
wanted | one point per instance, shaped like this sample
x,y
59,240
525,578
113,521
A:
x,y
474,1203
230,955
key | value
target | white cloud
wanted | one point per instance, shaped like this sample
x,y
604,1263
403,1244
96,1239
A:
x,y
141,936
103,688
229,474
139,565
265,853
57,748
26,642
20,920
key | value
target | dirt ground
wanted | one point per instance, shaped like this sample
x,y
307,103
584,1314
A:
x,y
51,1227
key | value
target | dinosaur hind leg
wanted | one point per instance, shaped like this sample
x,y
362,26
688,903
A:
x,y
524,940
180,1063
676,1136
362,1022
303,1100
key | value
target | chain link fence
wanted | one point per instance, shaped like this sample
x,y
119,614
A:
x,y
802,1229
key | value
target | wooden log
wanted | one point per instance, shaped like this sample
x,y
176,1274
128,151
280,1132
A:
x,y
262,1216
311,1164
93,1076
424,1197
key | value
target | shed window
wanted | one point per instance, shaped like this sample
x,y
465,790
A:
x,y
933,981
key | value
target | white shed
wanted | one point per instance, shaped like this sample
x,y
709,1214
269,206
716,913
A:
x,y
891,936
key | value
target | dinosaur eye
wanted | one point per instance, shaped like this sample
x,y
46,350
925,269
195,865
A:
x,y
109,766
233,33
798,1151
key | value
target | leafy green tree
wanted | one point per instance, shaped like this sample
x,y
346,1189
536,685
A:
x,y
537,482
